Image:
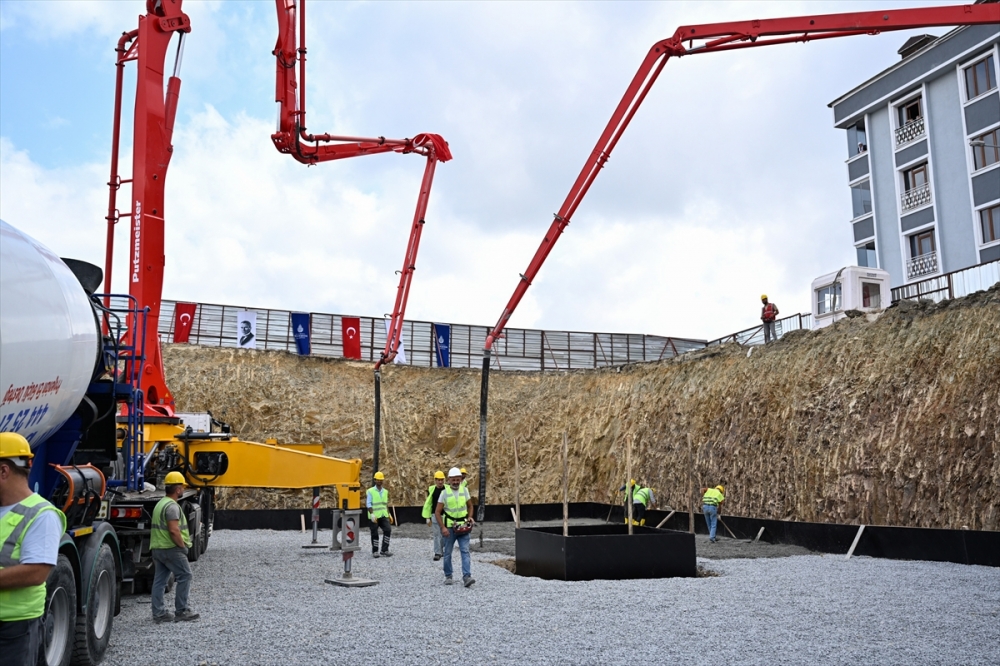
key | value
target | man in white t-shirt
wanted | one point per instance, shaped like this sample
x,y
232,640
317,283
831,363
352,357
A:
x,y
30,532
454,515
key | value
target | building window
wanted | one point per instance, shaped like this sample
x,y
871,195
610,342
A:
x,y
989,218
980,77
871,295
986,149
916,188
922,243
910,124
923,257
866,255
828,299
857,139
861,198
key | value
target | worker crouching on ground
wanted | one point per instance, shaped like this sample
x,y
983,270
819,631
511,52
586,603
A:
x,y
642,500
169,541
430,504
711,504
30,531
378,515
454,514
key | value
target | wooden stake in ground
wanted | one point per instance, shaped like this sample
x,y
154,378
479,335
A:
x,y
517,487
691,498
857,538
664,521
628,484
565,453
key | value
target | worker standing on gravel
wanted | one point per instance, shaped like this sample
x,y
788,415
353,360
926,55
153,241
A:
x,y
465,475
30,530
454,515
168,544
711,503
433,492
378,515
768,313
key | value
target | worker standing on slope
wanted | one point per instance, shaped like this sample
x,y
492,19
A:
x,y
30,531
768,314
169,541
711,504
454,515
433,492
378,515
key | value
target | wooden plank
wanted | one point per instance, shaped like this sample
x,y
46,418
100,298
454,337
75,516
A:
x,y
759,534
628,484
664,521
517,487
857,538
565,452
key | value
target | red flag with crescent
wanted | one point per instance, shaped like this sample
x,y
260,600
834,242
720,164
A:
x,y
351,330
183,318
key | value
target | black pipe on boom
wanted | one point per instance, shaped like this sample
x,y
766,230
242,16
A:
x,y
378,419
484,392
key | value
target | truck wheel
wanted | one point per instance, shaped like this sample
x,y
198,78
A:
x,y
196,549
206,531
60,614
93,625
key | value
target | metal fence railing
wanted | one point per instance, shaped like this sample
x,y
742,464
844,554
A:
x,y
518,349
951,285
755,335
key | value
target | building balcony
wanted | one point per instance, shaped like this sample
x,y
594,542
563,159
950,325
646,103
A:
x,y
925,264
910,131
916,197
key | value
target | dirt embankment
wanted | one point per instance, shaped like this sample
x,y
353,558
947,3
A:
x,y
888,422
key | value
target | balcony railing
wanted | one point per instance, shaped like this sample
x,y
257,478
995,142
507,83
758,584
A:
x,y
918,196
910,131
951,285
925,264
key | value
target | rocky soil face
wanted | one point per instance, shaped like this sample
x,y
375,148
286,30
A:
x,y
891,422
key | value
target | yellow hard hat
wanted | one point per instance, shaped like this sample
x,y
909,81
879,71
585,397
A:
x,y
763,297
13,447
379,476
173,478
721,488
464,473
632,482
439,474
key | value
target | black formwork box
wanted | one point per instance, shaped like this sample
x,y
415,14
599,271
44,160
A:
x,y
606,552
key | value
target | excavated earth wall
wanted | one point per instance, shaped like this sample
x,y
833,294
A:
x,y
893,421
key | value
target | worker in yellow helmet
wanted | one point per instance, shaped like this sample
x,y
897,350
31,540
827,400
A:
x,y
433,492
377,502
768,314
711,504
169,542
465,476
30,531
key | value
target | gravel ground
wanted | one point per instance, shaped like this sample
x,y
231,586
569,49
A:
x,y
263,601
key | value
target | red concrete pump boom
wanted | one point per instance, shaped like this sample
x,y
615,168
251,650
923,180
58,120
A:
x,y
152,149
705,39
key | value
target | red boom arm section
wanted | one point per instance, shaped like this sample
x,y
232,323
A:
x,y
293,139
726,37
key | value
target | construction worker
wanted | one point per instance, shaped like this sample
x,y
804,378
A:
x,y
169,542
454,515
378,515
642,499
433,492
711,504
465,476
768,313
30,531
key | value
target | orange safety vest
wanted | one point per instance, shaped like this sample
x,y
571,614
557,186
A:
x,y
769,312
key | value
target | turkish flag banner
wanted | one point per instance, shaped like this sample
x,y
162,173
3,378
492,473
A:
x,y
351,330
183,318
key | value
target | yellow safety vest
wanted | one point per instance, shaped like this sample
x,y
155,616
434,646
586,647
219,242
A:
x,y
379,502
713,497
641,496
159,532
456,508
23,603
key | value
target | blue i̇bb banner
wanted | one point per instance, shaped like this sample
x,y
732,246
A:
x,y
300,328
442,344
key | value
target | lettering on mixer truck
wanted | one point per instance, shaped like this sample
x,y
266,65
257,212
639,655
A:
x,y
29,392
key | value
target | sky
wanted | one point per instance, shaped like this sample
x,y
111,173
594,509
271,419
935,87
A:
x,y
730,182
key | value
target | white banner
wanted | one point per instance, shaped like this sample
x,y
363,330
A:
x,y
246,329
400,353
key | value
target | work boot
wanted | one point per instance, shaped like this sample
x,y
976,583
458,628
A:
x,y
386,553
468,581
448,580
375,554
186,616
437,557
166,617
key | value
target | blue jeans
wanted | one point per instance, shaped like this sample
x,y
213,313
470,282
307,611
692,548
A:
x,y
463,548
438,539
712,518
170,561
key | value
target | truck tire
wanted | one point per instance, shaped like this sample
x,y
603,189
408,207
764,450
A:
x,y
196,549
60,615
93,625
206,531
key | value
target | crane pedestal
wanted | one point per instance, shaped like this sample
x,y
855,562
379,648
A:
x,y
348,580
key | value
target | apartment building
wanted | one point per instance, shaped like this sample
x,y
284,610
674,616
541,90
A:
x,y
923,165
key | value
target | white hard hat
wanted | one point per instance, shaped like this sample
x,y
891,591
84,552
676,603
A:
x,y
454,471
